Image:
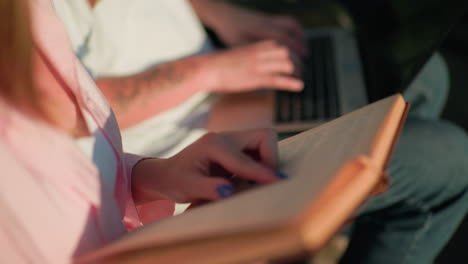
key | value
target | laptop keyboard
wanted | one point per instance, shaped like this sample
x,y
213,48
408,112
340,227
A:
x,y
319,99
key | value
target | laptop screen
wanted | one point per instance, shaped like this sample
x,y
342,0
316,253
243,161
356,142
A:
x,y
397,37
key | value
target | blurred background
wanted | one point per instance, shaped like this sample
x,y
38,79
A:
x,y
320,13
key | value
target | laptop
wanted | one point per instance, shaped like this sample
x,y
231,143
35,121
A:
x,y
347,69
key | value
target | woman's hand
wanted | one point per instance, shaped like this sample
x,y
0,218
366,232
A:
x,y
204,170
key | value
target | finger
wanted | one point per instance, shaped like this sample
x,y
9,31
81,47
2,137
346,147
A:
x,y
262,141
280,82
273,50
260,45
294,29
223,190
267,145
276,67
235,161
211,188
291,41
279,59
291,25
298,67
284,38
266,43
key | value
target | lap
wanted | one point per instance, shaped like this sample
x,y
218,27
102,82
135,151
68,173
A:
x,y
429,166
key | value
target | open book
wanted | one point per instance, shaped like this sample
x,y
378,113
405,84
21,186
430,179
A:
x,y
333,169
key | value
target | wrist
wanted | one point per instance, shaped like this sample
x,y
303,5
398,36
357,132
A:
x,y
143,184
206,74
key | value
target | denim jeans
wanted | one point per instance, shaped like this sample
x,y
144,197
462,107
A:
x,y
427,199
428,195
429,90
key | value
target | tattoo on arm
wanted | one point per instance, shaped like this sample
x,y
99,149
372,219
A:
x,y
143,88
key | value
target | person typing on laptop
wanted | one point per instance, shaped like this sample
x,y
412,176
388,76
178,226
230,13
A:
x,y
177,67
114,39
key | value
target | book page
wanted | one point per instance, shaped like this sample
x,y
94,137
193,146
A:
x,y
311,159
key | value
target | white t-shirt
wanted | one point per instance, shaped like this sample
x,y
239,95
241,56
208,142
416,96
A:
x,y
121,37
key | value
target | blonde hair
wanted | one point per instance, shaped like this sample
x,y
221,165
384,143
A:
x,y
16,84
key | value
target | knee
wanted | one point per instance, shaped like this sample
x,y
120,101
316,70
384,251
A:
x,y
434,157
429,90
439,141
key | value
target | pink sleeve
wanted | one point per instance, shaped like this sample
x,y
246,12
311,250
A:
x,y
18,244
149,212
46,214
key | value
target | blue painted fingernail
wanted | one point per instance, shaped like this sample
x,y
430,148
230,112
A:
x,y
281,175
225,190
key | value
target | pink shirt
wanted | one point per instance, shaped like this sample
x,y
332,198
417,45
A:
x,y
53,201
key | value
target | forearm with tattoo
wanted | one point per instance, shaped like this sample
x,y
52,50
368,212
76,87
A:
x,y
137,97
143,88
